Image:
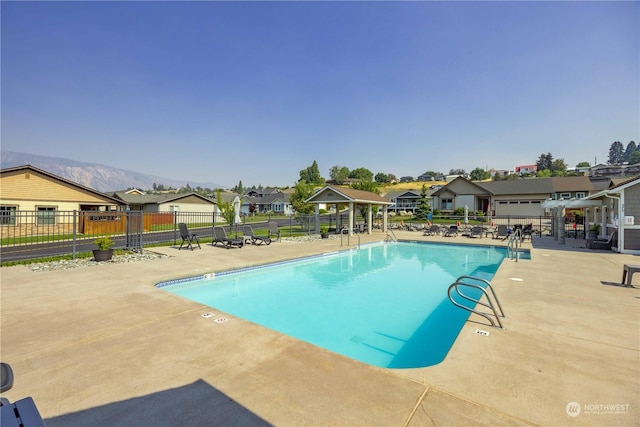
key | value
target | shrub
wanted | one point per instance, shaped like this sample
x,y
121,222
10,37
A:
x,y
104,243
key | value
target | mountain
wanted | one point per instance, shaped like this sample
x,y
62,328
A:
x,y
99,177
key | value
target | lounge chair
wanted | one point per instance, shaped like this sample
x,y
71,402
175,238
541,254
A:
x,y
501,232
255,240
434,230
22,412
527,231
603,243
188,238
220,236
476,231
452,231
274,231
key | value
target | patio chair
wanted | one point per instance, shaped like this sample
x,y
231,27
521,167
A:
x,y
476,231
255,240
274,231
527,231
501,232
188,238
452,231
220,236
22,412
434,230
603,243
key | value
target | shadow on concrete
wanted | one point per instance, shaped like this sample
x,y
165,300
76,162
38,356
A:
x,y
570,244
196,404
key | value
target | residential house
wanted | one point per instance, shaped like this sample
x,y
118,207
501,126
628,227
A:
x,y
523,197
31,198
624,170
526,169
268,200
403,200
190,202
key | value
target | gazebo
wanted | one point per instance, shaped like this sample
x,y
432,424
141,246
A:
x,y
348,196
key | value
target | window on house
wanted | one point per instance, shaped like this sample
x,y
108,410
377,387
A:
x,y
580,195
174,208
446,204
46,216
7,215
565,195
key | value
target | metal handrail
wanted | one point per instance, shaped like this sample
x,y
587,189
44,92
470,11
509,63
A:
x,y
391,236
514,240
346,231
459,283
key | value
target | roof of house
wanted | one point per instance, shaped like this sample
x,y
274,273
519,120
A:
x,y
155,199
571,183
400,193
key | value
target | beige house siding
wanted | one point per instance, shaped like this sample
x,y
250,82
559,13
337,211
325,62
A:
x,y
31,189
185,207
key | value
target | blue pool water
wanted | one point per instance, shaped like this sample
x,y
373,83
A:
x,y
384,304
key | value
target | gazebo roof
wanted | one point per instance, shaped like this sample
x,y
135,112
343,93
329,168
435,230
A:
x,y
331,194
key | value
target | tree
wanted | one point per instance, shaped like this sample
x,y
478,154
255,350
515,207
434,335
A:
x,y
558,167
363,174
422,211
479,174
634,158
238,188
583,165
544,173
544,161
311,175
457,172
339,173
631,148
382,178
302,191
225,207
616,153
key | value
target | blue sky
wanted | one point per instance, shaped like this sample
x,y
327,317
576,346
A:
x,y
256,91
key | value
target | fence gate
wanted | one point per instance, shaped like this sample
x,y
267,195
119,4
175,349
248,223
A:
x,y
134,230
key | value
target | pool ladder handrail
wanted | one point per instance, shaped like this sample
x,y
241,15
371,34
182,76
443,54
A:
x,y
346,231
489,304
513,244
391,236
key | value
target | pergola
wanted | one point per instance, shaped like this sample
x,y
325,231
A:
x,y
348,196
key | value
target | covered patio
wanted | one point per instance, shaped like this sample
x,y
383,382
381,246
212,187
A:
x,y
337,196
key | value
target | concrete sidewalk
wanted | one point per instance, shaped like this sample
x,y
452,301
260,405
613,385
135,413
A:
x,y
101,346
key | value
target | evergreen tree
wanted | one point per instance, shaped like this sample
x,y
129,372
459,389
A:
x,y
544,162
616,153
422,211
311,175
631,148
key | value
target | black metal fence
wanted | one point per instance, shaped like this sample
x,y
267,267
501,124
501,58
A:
x,y
36,234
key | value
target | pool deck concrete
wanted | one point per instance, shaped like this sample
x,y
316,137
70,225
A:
x,y
101,346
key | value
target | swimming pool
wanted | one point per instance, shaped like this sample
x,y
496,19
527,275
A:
x,y
383,304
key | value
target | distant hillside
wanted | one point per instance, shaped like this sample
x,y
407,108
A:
x,y
99,177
